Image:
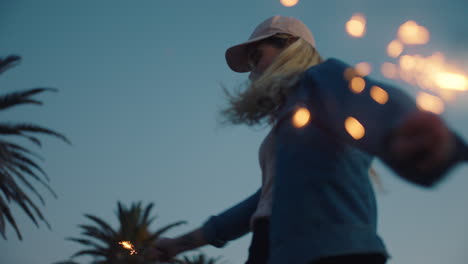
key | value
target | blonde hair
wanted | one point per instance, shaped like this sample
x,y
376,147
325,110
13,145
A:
x,y
264,95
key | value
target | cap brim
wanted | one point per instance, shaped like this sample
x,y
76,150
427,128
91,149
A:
x,y
236,56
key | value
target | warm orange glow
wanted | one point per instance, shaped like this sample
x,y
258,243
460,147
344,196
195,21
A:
x,y
301,117
128,245
363,68
407,62
379,95
395,48
289,3
389,70
356,26
412,34
430,103
354,128
451,81
357,85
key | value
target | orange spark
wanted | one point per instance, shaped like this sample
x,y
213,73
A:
x,y
128,245
301,117
289,3
354,128
379,95
363,68
395,48
356,26
451,81
357,85
411,33
430,103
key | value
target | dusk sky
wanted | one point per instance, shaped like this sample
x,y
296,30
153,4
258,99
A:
x,y
139,90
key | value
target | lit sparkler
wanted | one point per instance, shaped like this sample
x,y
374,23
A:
x,y
129,246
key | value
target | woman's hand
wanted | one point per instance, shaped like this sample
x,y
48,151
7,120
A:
x,y
423,141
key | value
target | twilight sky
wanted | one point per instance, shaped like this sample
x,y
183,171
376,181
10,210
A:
x,y
139,88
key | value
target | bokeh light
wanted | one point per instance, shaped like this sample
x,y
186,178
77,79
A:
x,y
357,85
411,33
430,103
379,95
354,128
451,81
301,117
363,68
289,3
356,26
395,48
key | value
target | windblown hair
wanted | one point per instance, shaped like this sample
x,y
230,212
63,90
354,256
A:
x,y
267,93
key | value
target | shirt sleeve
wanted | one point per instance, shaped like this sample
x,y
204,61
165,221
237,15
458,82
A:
x,y
232,223
338,109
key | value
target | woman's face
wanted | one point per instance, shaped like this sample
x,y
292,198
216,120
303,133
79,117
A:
x,y
260,57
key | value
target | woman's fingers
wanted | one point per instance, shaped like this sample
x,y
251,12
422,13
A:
x,y
422,141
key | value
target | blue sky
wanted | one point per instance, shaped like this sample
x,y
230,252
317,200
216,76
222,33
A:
x,y
139,89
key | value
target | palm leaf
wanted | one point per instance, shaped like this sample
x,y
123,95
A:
x,y
8,62
15,161
22,97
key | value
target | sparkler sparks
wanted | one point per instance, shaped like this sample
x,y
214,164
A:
x,y
301,117
289,3
354,128
411,33
395,48
357,85
128,245
356,26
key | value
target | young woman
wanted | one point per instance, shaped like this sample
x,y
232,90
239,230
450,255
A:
x,y
316,203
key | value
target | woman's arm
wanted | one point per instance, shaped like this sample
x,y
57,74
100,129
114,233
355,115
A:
x,y
217,231
232,223
332,102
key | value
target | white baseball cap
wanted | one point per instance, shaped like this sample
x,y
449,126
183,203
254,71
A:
x,y
236,56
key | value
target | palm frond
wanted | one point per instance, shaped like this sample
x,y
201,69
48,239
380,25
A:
x,y
5,211
8,62
22,97
16,164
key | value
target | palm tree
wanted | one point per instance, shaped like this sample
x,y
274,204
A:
x,y
16,163
103,241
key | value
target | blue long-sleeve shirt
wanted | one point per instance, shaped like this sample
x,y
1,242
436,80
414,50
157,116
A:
x,y
323,201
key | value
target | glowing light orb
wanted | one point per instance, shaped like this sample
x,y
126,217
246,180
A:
x,y
452,81
356,26
357,85
379,95
395,48
354,128
301,117
407,63
411,33
363,68
430,103
289,3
